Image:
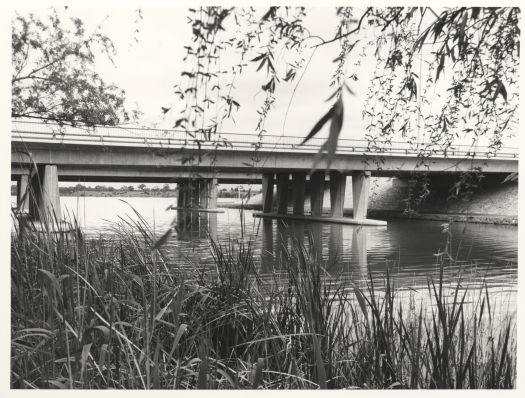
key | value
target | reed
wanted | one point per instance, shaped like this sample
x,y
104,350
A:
x,y
116,312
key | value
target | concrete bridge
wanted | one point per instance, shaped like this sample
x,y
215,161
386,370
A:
x,y
43,154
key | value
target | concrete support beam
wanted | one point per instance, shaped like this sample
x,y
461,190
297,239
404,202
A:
x,y
267,192
194,193
282,192
337,193
317,193
23,193
360,192
213,191
298,189
182,193
204,187
49,199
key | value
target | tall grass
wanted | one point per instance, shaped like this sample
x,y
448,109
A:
x,y
115,312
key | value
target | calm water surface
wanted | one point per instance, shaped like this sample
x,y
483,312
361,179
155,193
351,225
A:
x,y
409,249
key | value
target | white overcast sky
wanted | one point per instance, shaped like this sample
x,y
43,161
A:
x,y
147,69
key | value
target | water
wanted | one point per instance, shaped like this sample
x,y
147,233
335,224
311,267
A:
x,y
408,249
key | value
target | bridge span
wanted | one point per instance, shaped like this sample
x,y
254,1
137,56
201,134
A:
x,y
44,153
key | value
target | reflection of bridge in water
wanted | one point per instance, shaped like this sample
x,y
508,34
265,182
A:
x,y
355,253
277,239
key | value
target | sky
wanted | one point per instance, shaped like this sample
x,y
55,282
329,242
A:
x,y
149,62
147,69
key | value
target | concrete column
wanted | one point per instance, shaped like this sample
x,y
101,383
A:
x,y
23,193
282,192
183,216
267,191
298,188
317,193
183,193
194,193
360,192
204,187
337,193
212,202
49,206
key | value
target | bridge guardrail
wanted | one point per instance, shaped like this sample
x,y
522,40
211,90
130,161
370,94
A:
x,y
27,131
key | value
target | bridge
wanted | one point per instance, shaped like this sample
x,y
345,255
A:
x,y
44,153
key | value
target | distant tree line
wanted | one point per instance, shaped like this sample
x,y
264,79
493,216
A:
x,y
237,192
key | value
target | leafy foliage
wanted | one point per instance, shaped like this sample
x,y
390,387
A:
x,y
53,73
439,78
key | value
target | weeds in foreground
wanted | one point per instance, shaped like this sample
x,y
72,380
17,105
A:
x,y
116,313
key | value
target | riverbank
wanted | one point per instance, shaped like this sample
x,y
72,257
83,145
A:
x,y
118,313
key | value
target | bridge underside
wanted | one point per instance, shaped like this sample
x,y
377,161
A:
x,y
200,175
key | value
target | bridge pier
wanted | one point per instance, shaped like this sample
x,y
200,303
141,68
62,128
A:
x,y
360,193
197,197
42,194
317,193
337,193
298,189
207,193
267,192
197,194
282,193
360,188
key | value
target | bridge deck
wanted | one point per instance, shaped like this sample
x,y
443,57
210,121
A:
x,y
127,153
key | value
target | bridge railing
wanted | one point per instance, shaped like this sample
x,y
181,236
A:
x,y
27,131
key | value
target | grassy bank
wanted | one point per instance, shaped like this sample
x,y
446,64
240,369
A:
x,y
115,312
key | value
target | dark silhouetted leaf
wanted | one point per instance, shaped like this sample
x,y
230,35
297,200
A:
x,y
319,125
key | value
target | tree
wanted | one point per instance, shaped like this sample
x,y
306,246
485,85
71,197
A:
x,y
474,67
142,187
53,75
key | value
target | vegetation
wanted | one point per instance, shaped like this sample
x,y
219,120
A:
x,y
450,73
116,312
53,76
81,190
